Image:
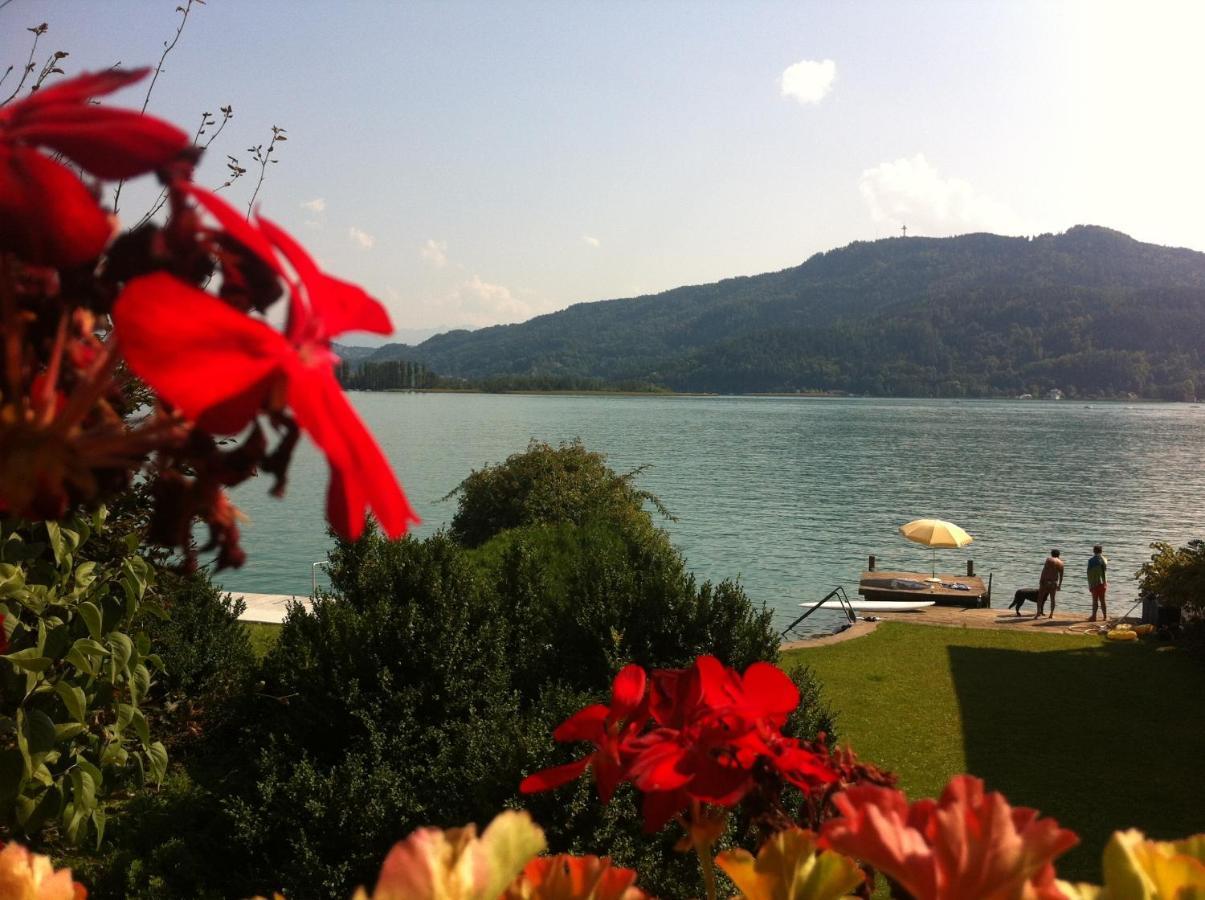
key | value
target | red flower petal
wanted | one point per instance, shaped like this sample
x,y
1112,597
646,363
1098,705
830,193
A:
x,y
361,476
109,143
627,691
658,765
47,216
584,725
547,779
235,225
79,89
659,808
337,306
769,692
214,363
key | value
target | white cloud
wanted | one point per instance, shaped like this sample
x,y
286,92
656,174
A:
x,y
592,241
910,191
363,238
316,205
435,252
808,80
478,303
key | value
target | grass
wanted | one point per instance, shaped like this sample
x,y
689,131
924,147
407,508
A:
x,y
1098,735
263,637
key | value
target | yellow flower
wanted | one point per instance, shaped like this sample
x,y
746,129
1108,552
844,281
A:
x,y
1138,869
788,867
433,864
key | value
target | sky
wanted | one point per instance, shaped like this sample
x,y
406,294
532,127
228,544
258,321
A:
x,y
472,164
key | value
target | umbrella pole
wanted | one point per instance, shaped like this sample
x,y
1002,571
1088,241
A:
x,y
934,562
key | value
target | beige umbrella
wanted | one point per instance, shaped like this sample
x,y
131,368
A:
x,y
935,533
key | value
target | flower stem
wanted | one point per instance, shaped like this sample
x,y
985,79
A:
x,y
708,870
702,838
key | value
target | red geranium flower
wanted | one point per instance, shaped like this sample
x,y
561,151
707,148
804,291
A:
x,y
967,844
715,727
221,367
47,215
609,728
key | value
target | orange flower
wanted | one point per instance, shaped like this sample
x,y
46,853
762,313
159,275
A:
x,y
28,876
566,877
967,844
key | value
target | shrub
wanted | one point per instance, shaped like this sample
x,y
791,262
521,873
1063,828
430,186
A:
x,y
75,675
547,485
207,655
1176,576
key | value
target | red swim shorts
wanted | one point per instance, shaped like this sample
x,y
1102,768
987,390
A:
x,y
1098,591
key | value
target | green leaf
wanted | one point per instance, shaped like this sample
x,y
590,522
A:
x,y
33,811
84,574
125,715
140,683
12,775
98,822
35,736
140,727
76,820
90,647
55,533
157,754
123,649
29,660
80,661
68,730
73,698
114,755
83,789
92,618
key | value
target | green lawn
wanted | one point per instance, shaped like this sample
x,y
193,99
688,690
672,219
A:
x,y
1099,735
263,635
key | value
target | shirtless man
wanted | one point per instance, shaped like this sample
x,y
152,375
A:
x,y
1050,582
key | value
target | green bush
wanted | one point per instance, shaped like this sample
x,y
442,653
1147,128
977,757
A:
x,y
547,485
428,683
74,680
208,660
1176,576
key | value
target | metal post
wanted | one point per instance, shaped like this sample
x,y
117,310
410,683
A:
x,y
314,576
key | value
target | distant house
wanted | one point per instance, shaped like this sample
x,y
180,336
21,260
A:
x,y
1054,394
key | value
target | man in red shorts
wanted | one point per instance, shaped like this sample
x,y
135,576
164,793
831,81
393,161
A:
x,y
1098,581
1050,582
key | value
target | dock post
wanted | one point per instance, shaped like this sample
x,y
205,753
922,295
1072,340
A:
x,y
970,568
870,563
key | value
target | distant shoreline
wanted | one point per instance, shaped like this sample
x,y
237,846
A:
x,y
805,395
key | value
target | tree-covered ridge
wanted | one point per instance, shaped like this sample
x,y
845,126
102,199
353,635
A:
x,y
1090,311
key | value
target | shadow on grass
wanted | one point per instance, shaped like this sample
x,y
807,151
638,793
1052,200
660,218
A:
x,y
1103,738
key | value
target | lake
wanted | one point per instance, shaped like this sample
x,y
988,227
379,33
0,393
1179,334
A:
x,y
792,494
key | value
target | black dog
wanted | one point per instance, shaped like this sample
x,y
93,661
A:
x,y
1021,596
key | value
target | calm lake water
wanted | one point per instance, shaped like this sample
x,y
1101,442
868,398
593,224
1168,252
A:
x,y
791,495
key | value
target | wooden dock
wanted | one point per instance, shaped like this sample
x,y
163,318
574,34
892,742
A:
x,y
880,584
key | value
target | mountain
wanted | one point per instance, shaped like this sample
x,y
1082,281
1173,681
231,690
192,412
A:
x,y
1090,311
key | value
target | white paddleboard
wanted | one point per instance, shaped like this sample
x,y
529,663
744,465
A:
x,y
875,605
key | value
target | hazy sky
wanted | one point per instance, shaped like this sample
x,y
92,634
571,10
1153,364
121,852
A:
x,y
476,163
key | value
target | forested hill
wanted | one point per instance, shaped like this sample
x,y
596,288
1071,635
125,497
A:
x,y
1091,312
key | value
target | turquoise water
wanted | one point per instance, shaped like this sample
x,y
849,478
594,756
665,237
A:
x,y
791,495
